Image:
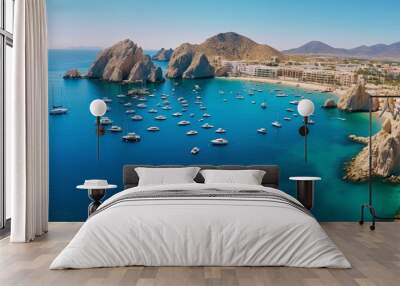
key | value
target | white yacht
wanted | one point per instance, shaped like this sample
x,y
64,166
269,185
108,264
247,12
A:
x,y
219,141
107,100
142,99
198,102
281,95
167,107
294,102
192,132
121,95
262,130
207,126
141,105
152,110
105,121
129,111
221,92
203,108
206,115
195,150
197,87
58,110
191,114
160,117
220,130
287,118
239,97
183,123
289,109
153,129
177,114
131,137
253,102
137,117
115,128
311,122
181,98
128,104
263,105
276,124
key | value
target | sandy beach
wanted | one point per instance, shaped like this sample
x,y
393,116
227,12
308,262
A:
x,y
303,85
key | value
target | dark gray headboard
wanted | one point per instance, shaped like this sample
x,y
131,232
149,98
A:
x,y
271,177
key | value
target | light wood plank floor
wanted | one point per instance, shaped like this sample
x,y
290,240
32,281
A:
x,y
375,257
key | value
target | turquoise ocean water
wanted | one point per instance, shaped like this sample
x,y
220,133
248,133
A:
x,y
73,138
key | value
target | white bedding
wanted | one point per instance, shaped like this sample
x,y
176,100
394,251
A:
x,y
200,231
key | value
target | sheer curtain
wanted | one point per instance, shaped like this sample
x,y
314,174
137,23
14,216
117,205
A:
x,y
27,124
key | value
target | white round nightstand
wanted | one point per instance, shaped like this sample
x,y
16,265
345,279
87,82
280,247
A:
x,y
305,190
96,191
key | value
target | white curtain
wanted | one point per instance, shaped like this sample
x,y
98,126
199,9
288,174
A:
x,y
27,124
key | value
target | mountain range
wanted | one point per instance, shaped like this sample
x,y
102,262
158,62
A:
x,y
378,51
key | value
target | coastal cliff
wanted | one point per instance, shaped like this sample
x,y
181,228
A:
x,y
163,55
124,61
72,74
204,59
357,99
385,154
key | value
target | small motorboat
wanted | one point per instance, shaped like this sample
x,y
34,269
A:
x,y
191,114
105,121
287,118
58,111
137,117
262,130
225,100
160,117
167,107
295,115
131,137
184,109
115,128
142,99
206,115
107,100
263,105
129,111
181,98
141,105
219,141
203,108
177,114
152,110
195,150
341,118
198,102
239,97
121,95
311,122
197,87
276,124
294,102
207,126
221,92
289,109
192,132
220,130
253,102
153,129
183,123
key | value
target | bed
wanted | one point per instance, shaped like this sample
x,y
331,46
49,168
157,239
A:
x,y
198,224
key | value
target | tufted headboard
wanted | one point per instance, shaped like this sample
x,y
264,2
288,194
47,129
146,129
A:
x,y
271,177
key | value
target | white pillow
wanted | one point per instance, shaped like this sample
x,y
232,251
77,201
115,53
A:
x,y
166,176
248,177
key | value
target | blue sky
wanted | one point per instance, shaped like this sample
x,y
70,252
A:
x,y
167,23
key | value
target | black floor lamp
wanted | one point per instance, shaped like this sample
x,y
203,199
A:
x,y
98,108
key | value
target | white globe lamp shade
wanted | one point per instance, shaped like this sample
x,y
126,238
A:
x,y
305,107
98,107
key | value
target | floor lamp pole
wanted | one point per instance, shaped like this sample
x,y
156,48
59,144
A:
x,y
98,137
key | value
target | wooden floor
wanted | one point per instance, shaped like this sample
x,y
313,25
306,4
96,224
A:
x,y
375,257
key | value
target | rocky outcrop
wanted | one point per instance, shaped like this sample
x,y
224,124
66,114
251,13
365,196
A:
x,y
145,70
357,99
199,67
163,55
329,103
124,61
224,46
385,154
221,72
72,74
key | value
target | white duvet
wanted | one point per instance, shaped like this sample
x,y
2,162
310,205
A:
x,y
194,231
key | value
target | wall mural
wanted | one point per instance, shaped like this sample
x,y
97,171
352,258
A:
x,y
224,100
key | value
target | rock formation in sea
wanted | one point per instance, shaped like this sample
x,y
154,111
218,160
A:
x,y
72,74
163,55
199,67
357,99
329,103
224,46
385,154
124,61
221,72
